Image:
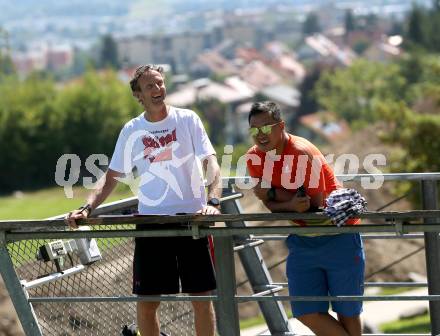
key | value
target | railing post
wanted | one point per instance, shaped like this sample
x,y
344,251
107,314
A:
x,y
432,249
226,306
258,275
16,292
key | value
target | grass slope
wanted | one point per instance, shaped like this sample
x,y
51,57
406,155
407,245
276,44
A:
x,y
48,202
418,324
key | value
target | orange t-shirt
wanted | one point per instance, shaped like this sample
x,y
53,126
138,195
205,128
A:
x,y
300,164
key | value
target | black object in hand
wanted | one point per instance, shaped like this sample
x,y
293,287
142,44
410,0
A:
x,y
301,192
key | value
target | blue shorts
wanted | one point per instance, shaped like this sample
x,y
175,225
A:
x,y
326,265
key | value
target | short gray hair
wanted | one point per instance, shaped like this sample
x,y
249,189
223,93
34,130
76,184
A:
x,y
140,70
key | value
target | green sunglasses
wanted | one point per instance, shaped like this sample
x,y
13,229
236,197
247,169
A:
x,y
266,129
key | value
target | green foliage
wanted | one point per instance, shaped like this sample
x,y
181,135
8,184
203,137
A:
x,y
213,112
422,28
405,95
394,290
309,103
414,123
39,123
311,24
238,151
397,28
418,324
108,56
360,46
28,131
93,113
416,29
353,93
6,65
350,22
416,133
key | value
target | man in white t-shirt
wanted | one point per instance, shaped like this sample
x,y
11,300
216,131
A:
x,y
168,148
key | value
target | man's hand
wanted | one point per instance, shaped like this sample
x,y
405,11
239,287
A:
x,y
72,216
300,203
209,210
261,193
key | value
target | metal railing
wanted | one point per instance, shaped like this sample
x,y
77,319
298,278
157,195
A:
x,y
114,232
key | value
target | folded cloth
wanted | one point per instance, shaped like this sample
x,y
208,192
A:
x,y
343,204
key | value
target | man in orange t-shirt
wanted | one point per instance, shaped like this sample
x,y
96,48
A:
x,y
294,176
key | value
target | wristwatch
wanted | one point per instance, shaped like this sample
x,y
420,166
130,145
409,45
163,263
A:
x,y
271,194
215,202
86,207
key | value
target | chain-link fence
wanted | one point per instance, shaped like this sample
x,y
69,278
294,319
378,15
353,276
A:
x,y
109,277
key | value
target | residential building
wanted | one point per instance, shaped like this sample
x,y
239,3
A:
x,y
43,57
287,98
319,48
212,62
322,128
385,50
259,75
232,93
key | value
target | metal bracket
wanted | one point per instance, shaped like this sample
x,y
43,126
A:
x,y
273,290
399,228
51,277
248,243
195,228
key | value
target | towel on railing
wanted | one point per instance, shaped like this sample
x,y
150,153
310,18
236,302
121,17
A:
x,y
343,204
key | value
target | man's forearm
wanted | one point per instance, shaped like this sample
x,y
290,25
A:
x,y
212,173
104,188
215,188
275,206
283,195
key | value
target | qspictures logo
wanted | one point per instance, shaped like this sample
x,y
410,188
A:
x,y
160,150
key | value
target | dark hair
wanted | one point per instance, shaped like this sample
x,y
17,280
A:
x,y
140,70
263,107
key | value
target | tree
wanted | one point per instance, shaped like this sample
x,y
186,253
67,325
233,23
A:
x,y
433,39
353,93
422,30
108,53
415,122
308,103
416,134
311,24
29,132
212,112
94,111
361,45
404,95
411,67
415,32
6,65
371,21
350,22
397,28
39,123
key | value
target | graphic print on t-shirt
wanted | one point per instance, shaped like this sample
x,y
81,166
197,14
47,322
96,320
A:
x,y
161,161
159,148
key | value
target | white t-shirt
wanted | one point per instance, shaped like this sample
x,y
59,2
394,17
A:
x,y
167,156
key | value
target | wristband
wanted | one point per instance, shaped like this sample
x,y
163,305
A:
x,y
271,194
